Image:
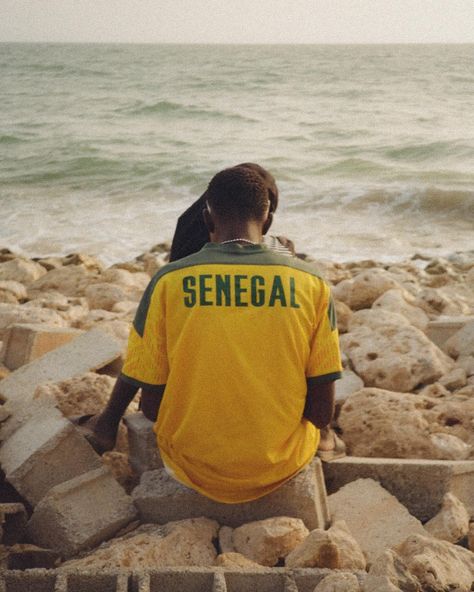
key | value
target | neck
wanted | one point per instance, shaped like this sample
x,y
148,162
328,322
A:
x,y
250,231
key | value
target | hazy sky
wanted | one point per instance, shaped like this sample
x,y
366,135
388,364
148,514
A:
x,y
239,21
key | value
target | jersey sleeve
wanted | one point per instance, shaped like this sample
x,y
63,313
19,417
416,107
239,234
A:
x,y
146,362
324,364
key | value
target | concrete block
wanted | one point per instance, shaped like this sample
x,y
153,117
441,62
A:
x,y
441,329
143,452
159,498
12,523
45,451
88,352
23,343
375,518
419,484
81,513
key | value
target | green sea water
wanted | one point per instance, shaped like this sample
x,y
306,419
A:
x,y
102,146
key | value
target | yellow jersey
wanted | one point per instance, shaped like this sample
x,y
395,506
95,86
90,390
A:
x,y
230,337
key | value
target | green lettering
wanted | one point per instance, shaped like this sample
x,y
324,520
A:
x,y
257,295
223,289
204,289
278,293
239,290
293,302
189,284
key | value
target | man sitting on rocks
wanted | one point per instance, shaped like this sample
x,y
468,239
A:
x,y
236,351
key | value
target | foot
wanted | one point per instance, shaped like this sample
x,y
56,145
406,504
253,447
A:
x,y
97,431
330,445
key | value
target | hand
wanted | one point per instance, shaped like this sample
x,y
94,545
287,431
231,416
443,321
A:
x,y
100,434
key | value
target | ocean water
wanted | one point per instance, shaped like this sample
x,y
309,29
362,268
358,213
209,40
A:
x,y
372,147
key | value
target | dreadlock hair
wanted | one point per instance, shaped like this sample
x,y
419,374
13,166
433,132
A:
x,y
238,192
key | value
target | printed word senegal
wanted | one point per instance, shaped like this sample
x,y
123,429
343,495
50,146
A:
x,y
239,290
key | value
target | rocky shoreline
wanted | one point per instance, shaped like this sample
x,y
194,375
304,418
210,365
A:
x,y
407,337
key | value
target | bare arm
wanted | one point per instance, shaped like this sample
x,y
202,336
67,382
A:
x,y
150,404
319,408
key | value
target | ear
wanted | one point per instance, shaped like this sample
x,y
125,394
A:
x,y
267,223
208,221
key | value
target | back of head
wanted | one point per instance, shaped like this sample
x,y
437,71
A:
x,y
238,193
269,181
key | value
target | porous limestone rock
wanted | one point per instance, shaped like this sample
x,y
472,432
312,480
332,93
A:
x,y
437,564
452,521
381,423
390,356
16,289
103,296
11,314
462,342
267,541
349,383
364,289
71,280
234,560
87,261
374,517
334,548
402,302
338,582
150,546
21,270
467,364
470,537
343,315
390,570
454,380
85,394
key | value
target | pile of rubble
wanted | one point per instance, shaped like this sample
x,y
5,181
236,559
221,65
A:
x,y
400,511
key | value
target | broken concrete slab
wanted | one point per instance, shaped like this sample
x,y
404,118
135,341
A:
x,y
159,498
43,452
444,327
143,452
12,523
88,352
23,343
419,484
81,513
375,518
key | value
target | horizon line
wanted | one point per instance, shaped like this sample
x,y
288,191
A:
x,y
237,43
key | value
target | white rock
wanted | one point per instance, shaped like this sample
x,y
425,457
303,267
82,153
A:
x,y
375,518
403,303
381,423
349,383
267,541
335,548
437,564
339,582
462,342
11,314
71,280
364,289
104,296
150,546
17,289
452,521
397,358
21,270
455,379
390,572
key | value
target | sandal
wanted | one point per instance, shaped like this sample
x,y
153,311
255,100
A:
x,y
339,450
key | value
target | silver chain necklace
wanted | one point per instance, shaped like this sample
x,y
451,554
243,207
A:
x,y
236,240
